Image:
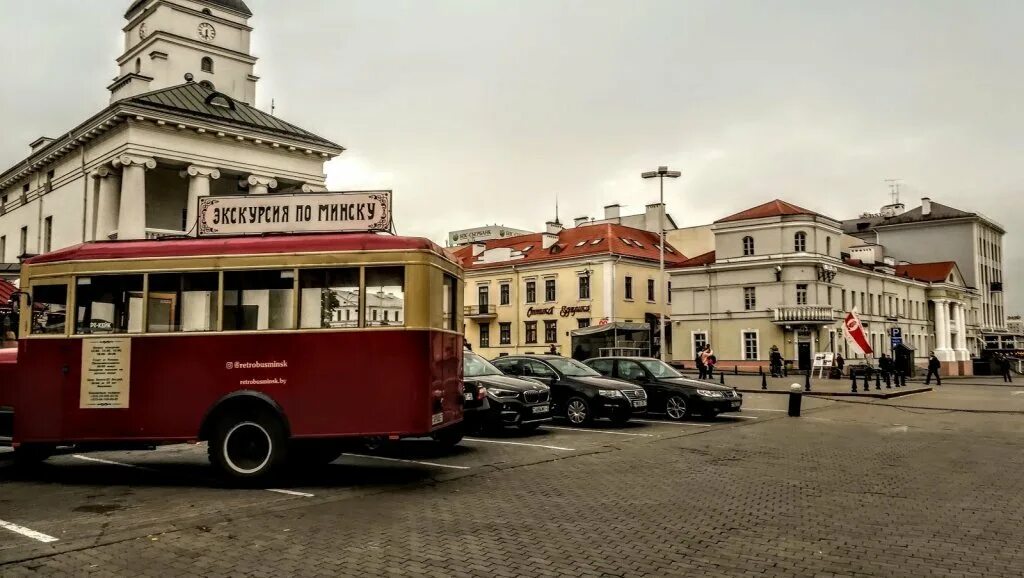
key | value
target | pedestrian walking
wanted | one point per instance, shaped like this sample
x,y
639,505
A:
x,y
1004,368
933,369
699,360
709,361
775,358
886,366
552,350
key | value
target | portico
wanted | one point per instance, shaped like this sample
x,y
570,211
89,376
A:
x,y
951,335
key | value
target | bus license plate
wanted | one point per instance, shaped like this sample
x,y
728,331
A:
x,y
469,397
540,409
438,418
640,403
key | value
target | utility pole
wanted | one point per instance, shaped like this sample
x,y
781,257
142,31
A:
x,y
660,174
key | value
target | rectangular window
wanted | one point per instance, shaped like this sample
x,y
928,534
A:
x,y
531,291
550,331
750,345
669,292
449,292
49,309
503,294
385,291
584,286
23,242
801,294
328,298
650,290
258,300
3,248
843,294
531,332
485,335
47,233
629,287
583,322
182,302
829,296
549,290
483,295
505,333
749,298
108,304
700,341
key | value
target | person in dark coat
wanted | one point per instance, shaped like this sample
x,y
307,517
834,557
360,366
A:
x,y
1004,368
886,366
699,360
840,362
933,369
775,359
552,350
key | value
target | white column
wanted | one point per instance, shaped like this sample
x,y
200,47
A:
x,y
942,326
198,186
961,332
311,188
108,203
131,219
259,184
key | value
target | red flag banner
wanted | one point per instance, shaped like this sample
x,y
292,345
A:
x,y
854,332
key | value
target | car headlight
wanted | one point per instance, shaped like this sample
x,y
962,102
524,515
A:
x,y
497,392
609,392
707,393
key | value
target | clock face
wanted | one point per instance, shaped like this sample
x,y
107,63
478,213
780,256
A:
x,y
143,31
207,32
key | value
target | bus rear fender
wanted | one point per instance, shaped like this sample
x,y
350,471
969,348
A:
x,y
240,402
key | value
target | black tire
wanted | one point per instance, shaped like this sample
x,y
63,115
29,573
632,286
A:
x,y
314,453
676,407
27,455
249,446
528,427
448,437
577,411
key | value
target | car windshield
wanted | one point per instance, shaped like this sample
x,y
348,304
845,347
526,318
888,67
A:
x,y
475,366
659,369
572,368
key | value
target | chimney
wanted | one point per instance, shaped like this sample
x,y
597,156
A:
x,y
652,216
579,221
478,248
547,240
40,143
926,207
554,228
611,211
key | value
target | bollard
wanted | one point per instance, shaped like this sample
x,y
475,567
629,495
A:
x,y
795,396
807,380
878,380
867,375
853,382
735,370
721,377
764,381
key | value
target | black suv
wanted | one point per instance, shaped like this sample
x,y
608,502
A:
x,y
668,391
578,393
511,401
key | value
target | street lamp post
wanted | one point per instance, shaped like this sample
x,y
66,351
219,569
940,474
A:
x,y
660,174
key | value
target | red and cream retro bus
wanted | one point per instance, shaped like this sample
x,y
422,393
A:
x,y
272,348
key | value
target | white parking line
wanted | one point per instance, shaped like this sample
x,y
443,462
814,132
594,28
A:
x,y
585,430
27,533
291,493
111,463
508,443
741,417
762,409
435,464
666,422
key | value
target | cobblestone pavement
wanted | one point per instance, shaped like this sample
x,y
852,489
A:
x,y
849,489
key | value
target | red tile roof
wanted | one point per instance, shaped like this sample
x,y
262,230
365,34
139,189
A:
x,y
776,208
928,272
577,242
699,261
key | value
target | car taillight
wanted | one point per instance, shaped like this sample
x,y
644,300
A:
x,y
481,393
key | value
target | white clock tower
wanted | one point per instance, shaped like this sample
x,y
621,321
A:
x,y
167,39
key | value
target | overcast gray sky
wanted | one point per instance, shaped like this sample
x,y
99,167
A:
x,y
478,112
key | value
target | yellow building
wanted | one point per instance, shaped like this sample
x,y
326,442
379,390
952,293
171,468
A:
x,y
528,293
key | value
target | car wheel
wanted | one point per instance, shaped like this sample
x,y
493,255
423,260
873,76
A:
x,y
248,447
448,437
32,454
528,427
676,407
577,411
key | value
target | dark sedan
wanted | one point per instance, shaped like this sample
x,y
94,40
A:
x,y
578,393
668,391
512,401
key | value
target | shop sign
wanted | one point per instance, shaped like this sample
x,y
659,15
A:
x,y
299,213
565,311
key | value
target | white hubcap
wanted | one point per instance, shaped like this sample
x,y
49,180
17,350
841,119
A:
x,y
247,447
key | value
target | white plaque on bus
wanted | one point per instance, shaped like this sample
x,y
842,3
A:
x,y
299,213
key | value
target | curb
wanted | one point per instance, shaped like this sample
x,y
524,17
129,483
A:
x,y
871,395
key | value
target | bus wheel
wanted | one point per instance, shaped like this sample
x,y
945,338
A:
x,y
448,437
248,447
32,454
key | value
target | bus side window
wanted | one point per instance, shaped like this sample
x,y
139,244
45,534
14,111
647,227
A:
x,y
182,302
450,296
108,304
385,296
328,298
255,300
49,309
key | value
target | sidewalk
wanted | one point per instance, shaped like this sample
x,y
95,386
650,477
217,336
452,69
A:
x,y
748,383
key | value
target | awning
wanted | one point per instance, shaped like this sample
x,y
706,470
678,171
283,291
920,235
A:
x,y
617,326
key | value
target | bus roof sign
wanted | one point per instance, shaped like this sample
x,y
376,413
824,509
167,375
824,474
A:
x,y
334,212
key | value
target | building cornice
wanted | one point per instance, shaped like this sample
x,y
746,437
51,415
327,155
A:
x,y
974,218
507,266
151,40
211,17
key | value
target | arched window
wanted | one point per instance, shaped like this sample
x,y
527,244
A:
x,y
800,242
207,64
748,246
207,11
138,65
828,246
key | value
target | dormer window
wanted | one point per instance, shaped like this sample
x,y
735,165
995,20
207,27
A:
x,y
207,12
800,242
625,240
596,241
581,243
748,246
206,65
637,243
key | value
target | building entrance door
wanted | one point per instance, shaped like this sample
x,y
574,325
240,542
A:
x,y
803,355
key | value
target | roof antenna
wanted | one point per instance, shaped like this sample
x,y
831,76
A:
x,y
894,190
557,222
273,106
